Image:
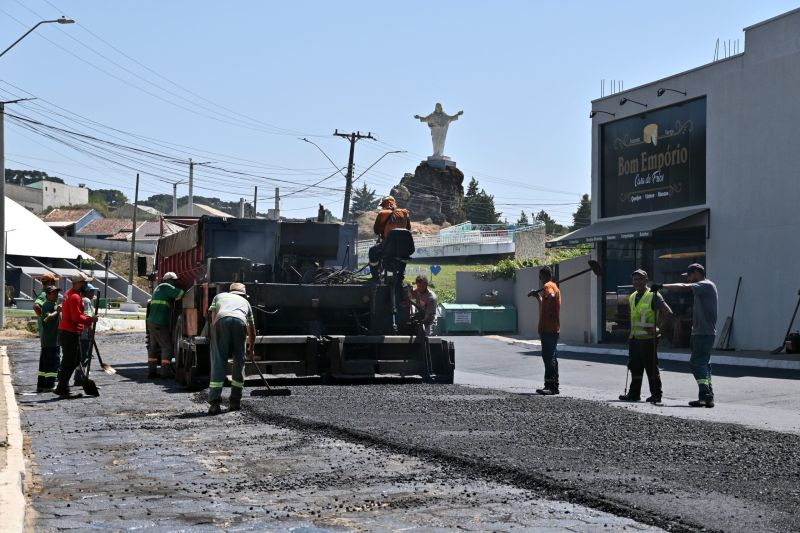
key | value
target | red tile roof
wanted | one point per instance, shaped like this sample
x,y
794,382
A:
x,y
106,226
66,215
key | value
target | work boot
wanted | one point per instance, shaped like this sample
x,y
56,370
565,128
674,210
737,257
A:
x,y
654,399
629,397
235,404
214,408
708,402
152,373
167,372
547,391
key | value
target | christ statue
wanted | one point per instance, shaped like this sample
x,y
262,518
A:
x,y
438,122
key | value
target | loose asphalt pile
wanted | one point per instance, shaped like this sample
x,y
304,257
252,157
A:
x,y
670,472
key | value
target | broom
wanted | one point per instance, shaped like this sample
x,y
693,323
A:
x,y
108,369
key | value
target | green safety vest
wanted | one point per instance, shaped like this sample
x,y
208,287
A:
x,y
642,315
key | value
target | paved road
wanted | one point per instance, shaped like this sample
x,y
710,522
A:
x,y
144,456
758,398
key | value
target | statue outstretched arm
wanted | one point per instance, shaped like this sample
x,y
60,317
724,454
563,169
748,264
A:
x,y
455,117
423,119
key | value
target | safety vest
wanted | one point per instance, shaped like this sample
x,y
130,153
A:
x,y
642,315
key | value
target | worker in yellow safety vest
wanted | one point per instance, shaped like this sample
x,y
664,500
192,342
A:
x,y
648,310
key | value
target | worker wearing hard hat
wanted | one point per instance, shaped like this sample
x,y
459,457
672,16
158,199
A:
x,y
159,326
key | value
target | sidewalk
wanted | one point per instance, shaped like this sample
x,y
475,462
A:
x,y
12,461
743,358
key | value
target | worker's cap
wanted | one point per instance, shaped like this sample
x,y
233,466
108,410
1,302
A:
x,y
49,276
237,288
80,276
90,288
387,201
639,272
51,289
546,271
170,276
695,267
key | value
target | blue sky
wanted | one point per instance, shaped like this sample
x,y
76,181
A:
x,y
237,83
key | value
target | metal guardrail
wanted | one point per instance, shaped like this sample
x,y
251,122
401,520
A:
x,y
460,234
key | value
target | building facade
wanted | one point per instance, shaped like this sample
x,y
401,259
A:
x,y
42,195
701,167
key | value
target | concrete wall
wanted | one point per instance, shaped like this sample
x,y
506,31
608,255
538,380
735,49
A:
x,y
751,166
61,195
469,289
529,244
27,197
575,296
143,247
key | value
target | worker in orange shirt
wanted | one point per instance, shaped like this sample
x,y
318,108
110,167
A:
x,y
389,217
549,327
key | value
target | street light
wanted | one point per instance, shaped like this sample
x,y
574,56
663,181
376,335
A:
x,y
61,20
377,160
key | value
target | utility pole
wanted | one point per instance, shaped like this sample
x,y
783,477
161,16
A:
x,y
277,203
191,186
353,138
255,202
3,235
241,207
133,240
190,212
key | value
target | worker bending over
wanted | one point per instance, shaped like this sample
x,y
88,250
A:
x,y
424,303
231,324
159,326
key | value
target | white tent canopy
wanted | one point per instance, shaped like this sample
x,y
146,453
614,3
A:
x,y
31,237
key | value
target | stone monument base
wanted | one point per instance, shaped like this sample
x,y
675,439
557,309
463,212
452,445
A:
x,y
439,162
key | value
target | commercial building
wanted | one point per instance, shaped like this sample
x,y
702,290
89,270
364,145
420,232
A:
x,y
702,166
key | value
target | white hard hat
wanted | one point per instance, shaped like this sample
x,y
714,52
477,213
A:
x,y
170,276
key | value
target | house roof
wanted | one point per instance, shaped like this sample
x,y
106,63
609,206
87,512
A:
x,y
31,237
147,231
202,209
70,216
106,226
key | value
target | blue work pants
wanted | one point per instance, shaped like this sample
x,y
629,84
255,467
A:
x,y
229,339
550,359
700,361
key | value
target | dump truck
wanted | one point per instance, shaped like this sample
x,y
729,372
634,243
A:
x,y
315,315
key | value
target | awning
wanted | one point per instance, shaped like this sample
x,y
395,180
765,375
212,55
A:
x,y
29,236
636,227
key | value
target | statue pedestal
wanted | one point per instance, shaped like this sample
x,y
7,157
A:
x,y
439,162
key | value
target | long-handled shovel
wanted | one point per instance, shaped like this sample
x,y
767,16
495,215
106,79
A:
x,y
108,369
89,386
780,348
269,391
594,266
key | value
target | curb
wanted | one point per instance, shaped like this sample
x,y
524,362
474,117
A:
x,y
12,499
727,360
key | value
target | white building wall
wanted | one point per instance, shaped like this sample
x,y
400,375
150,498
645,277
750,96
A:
x,y
25,196
62,195
752,183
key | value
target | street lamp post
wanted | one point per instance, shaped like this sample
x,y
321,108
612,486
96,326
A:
x,y
107,264
62,20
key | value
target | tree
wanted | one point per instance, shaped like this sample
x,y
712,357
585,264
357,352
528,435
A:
x,y
550,225
583,216
472,188
479,206
523,218
110,197
364,200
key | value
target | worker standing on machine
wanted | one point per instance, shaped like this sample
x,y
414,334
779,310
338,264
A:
x,y
159,322
704,328
231,324
424,303
389,217
643,339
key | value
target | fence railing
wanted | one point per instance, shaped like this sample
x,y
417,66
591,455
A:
x,y
460,234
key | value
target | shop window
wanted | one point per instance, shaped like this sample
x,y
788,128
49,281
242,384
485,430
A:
x,y
664,256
